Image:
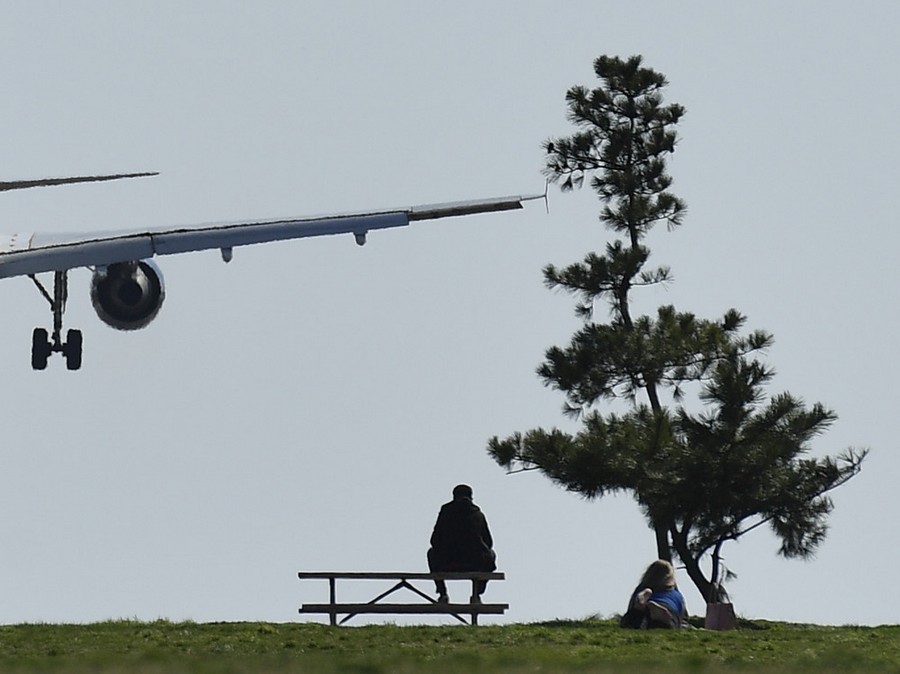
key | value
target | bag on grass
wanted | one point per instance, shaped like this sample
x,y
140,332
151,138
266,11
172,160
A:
x,y
719,610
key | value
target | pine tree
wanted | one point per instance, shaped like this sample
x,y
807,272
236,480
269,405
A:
x,y
700,480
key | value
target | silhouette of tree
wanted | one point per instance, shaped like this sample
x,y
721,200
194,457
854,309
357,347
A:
x,y
700,479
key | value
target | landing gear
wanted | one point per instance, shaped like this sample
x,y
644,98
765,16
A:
x,y
43,344
40,349
72,349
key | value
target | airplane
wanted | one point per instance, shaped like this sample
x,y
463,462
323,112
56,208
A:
x,y
127,288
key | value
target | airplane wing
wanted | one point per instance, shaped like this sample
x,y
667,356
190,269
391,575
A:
x,y
27,254
8,185
127,288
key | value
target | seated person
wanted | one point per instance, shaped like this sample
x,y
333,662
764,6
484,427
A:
x,y
656,601
461,541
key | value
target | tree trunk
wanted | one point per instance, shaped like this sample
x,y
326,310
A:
x,y
663,549
692,566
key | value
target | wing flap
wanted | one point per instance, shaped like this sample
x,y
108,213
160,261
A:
x,y
228,236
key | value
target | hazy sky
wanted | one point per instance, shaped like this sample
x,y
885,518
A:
x,y
310,405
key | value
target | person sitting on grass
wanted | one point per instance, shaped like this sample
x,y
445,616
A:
x,y
656,602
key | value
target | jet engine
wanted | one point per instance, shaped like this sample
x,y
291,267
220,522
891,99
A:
x,y
128,295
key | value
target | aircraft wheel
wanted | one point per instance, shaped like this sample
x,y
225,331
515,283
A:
x,y
72,349
40,349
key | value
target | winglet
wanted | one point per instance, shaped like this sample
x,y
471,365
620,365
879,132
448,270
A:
x,y
49,182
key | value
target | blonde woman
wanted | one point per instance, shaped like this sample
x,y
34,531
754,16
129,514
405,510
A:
x,y
656,601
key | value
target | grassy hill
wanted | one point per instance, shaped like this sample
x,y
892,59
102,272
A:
x,y
562,646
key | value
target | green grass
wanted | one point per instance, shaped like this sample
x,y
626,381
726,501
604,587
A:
x,y
561,646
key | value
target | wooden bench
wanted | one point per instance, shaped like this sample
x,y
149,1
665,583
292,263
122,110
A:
x,y
403,581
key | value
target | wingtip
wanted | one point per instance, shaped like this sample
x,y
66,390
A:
x,y
545,196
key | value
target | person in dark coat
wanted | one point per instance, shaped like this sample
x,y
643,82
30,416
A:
x,y
461,541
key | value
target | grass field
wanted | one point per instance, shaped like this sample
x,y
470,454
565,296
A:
x,y
561,646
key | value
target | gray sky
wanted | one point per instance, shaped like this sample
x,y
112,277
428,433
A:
x,y
310,405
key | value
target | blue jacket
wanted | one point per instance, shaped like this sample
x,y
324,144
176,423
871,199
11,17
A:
x,y
671,599
639,618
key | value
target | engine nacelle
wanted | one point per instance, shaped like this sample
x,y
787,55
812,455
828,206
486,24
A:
x,y
128,295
